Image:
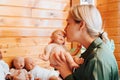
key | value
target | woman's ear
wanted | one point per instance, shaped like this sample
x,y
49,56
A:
x,y
82,25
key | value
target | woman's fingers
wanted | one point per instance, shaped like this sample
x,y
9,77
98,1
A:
x,y
62,56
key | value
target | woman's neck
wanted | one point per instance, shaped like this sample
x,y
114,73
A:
x,y
86,41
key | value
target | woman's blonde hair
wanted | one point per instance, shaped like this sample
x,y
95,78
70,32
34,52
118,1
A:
x,y
92,18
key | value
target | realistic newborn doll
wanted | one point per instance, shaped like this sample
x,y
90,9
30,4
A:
x,y
38,73
57,46
18,73
4,69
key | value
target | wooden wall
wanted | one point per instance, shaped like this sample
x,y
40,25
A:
x,y
26,26
110,10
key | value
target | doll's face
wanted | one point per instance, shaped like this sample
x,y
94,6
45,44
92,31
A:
x,y
18,62
59,37
29,64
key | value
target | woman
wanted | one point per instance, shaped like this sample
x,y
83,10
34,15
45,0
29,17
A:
x,y
85,27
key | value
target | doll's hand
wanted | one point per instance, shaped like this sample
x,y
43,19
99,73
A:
x,y
78,60
79,46
8,77
44,57
18,72
29,76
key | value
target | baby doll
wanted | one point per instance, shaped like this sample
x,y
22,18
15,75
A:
x,y
18,73
38,73
57,46
4,69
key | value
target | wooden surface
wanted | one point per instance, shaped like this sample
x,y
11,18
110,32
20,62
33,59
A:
x,y
26,26
110,11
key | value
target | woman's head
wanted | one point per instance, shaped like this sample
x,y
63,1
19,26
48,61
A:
x,y
86,15
58,36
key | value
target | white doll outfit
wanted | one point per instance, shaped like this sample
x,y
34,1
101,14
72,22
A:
x,y
54,48
4,70
22,75
42,73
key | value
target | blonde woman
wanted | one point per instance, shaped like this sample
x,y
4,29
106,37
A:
x,y
85,27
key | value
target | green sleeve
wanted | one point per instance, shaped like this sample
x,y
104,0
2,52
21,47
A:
x,y
69,77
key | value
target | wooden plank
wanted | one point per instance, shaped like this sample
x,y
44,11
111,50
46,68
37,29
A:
x,y
52,14
109,7
15,11
23,51
31,22
23,3
13,32
117,56
117,48
109,15
16,22
35,13
46,4
116,39
66,1
103,2
113,32
110,23
51,4
23,42
49,23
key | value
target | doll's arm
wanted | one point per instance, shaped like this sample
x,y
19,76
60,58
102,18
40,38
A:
x,y
46,54
15,75
27,75
76,50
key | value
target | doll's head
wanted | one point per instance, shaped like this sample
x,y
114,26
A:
x,y
29,63
18,62
58,36
0,55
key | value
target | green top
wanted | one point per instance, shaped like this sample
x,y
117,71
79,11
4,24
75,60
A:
x,y
99,64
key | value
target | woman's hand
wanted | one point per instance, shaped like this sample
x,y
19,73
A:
x,y
62,65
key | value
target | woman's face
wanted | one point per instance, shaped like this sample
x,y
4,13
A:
x,y
71,30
